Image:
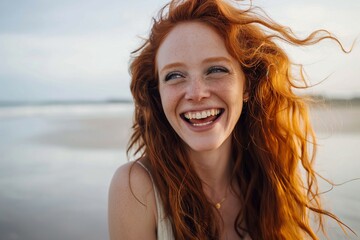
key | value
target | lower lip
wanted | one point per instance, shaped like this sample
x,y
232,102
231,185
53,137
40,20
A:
x,y
205,127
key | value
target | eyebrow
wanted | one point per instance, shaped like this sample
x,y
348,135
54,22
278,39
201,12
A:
x,y
172,65
207,60
216,59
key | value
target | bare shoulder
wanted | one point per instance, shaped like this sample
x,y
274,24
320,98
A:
x,y
132,206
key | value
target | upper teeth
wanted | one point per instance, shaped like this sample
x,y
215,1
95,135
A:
x,y
202,114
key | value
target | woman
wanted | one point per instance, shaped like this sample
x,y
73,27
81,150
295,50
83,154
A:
x,y
221,134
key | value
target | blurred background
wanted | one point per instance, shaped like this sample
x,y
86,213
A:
x,y
66,108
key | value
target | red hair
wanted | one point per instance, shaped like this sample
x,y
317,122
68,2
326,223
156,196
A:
x,y
270,141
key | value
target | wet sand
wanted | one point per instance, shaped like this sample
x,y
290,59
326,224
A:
x,y
55,169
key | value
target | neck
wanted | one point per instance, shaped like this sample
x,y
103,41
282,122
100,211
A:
x,y
214,169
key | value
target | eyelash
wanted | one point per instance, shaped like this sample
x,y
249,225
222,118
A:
x,y
172,75
217,69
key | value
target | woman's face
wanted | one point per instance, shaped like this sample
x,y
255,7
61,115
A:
x,y
201,85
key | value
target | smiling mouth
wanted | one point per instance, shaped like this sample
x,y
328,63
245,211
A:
x,y
202,118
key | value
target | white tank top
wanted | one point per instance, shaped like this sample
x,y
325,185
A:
x,y
164,228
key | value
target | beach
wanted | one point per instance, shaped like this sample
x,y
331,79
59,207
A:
x,y
57,162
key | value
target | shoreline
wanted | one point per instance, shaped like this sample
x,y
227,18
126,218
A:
x,y
108,126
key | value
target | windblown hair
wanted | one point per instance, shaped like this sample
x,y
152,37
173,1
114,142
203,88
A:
x,y
273,142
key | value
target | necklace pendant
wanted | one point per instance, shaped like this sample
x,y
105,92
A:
x,y
218,205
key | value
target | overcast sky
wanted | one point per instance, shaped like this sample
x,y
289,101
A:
x,y
79,49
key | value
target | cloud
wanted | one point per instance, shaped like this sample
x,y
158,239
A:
x,y
86,44
62,57
80,63
69,49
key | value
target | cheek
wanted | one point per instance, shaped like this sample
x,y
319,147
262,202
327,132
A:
x,y
231,92
168,100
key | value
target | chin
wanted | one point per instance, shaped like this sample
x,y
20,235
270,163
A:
x,y
203,146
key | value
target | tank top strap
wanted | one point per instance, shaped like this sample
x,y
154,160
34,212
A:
x,y
164,228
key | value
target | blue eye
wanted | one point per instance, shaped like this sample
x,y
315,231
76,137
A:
x,y
173,75
217,69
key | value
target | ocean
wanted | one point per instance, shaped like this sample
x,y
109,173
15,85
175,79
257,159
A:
x,y
56,164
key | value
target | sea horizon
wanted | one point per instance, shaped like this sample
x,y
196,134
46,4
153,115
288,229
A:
x,y
44,102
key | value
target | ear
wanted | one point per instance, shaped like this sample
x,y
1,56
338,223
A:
x,y
246,96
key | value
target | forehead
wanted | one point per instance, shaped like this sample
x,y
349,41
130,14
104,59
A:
x,y
191,42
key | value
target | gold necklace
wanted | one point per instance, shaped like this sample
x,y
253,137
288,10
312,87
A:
x,y
218,204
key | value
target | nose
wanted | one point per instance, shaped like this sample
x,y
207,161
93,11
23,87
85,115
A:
x,y
197,89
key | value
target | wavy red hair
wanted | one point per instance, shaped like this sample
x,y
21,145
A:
x,y
270,141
